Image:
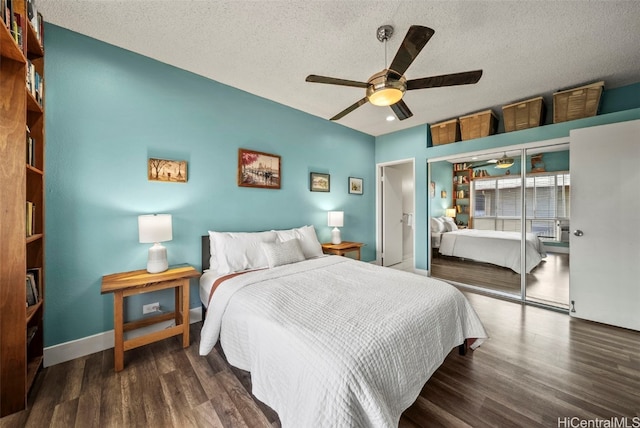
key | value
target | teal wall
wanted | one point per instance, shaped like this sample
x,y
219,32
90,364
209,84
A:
x,y
109,110
617,105
442,176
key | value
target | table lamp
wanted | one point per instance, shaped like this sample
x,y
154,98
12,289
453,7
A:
x,y
450,212
155,228
335,220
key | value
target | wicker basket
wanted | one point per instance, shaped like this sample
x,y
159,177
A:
x,y
445,132
523,115
476,125
577,103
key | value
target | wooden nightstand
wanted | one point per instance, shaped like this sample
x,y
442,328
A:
x,y
342,248
127,284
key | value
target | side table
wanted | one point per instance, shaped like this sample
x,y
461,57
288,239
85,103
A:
x,y
342,248
127,284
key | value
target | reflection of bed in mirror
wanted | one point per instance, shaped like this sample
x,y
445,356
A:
x,y
489,246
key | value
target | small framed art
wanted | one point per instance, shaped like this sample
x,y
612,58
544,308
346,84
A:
x,y
257,169
355,185
319,182
167,170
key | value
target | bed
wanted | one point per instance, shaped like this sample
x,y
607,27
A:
x,y
328,340
488,246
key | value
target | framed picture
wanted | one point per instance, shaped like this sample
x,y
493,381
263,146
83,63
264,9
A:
x,y
257,169
432,189
319,182
355,185
167,170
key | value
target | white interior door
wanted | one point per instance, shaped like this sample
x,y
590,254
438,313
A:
x,y
391,216
605,224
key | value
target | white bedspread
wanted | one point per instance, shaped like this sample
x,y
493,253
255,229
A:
x,y
492,246
333,342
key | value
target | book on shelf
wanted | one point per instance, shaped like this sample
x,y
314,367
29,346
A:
x,y
34,275
35,82
31,333
7,17
31,154
16,28
31,298
30,218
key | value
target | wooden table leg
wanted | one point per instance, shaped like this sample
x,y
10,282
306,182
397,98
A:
x,y
185,313
118,351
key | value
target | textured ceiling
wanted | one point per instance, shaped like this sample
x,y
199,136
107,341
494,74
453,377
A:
x,y
267,48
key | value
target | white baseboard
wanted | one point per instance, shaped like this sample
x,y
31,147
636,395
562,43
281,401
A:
x,y
99,342
423,272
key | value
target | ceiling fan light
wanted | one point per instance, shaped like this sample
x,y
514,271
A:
x,y
385,88
504,163
385,96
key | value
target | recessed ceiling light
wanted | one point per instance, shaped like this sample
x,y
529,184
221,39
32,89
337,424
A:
x,y
390,118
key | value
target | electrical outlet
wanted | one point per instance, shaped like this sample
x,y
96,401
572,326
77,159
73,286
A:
x,y
151,307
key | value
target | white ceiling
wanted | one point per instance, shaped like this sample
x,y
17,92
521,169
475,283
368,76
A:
x,y
267,48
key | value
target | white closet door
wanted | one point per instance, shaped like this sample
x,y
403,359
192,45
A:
x,y
605,224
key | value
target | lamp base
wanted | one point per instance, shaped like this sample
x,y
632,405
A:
x,y
335,236
157,261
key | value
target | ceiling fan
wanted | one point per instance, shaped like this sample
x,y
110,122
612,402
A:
x,y
504,162
387,87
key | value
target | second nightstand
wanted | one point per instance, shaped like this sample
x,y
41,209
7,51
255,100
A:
x,y
342,248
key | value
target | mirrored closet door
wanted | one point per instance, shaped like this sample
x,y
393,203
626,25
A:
x,y
478,206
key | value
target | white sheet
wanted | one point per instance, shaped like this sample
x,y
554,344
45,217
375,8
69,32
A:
x,y
206,282
336,342
492,246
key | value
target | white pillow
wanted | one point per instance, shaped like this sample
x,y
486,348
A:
x,y
449,224
437,225
309,243
283,253
238,251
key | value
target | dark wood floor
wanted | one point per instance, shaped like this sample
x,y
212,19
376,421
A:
x,y
547,283
538,366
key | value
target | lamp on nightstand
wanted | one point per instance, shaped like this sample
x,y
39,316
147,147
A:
x,y
450,212
155,228
335,220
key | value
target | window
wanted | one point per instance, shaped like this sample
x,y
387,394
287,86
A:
x,y
547,201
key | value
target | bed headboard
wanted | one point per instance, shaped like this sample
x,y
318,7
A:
x,y
206,253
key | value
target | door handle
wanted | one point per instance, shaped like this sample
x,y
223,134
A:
x,y
578,232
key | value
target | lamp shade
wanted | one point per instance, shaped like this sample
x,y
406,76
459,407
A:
x,y
335,219
154,228
450,212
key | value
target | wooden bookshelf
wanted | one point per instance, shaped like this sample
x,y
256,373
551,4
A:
x,y
21,180
462,176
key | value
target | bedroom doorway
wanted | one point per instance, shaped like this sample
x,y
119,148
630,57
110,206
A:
x,y
496,199
395,213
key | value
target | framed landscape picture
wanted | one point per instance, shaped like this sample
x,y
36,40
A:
x,y
257,169
355,185
167,170
319,182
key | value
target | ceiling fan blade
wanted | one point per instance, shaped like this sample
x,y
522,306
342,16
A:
x,y
333,81
349,109
416,38
454,79
401,110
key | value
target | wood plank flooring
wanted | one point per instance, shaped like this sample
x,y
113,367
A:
x,y
548,283
538,366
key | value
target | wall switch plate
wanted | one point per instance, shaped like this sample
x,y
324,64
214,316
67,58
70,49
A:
x,y
150,308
